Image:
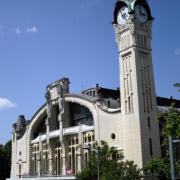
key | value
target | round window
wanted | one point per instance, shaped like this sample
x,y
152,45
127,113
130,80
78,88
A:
x,y
113,136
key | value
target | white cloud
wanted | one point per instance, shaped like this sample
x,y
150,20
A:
x,y
177,51
32,29
17,31
6,103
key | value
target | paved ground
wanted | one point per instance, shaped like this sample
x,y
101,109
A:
x,y
45,178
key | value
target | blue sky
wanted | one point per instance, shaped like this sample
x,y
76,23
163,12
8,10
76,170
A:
x,y
42,41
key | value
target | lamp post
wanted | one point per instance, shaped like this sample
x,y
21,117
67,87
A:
x,y
88,147
171,154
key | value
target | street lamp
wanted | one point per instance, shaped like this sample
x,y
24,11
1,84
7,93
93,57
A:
x,y
171,154
88,147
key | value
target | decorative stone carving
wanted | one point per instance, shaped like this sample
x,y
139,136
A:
x,y
20,126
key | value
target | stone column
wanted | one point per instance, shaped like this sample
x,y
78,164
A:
x,y
38,166
79,151
61,138
29,158
51,158
48,122
40,156
64,160
60,116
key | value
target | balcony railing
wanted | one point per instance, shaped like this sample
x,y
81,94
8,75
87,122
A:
x,y
66,131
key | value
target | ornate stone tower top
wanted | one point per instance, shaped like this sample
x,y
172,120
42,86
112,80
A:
x,y
57,89
134,8
20,126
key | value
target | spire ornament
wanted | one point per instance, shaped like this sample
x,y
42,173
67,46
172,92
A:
x,y
130,4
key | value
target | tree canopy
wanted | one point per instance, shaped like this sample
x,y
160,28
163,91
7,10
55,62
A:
x,y
178,86
5,160
111,165
169,126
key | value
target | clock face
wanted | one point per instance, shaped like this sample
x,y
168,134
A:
x,y
141,14
123,15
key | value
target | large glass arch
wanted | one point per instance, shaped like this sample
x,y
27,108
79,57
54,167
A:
x,y
80,115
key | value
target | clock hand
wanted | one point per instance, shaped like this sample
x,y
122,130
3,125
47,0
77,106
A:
x,y
123,15
142,11
143,14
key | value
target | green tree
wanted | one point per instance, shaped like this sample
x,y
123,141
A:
x,y
178,86
5,160
170,126
112,166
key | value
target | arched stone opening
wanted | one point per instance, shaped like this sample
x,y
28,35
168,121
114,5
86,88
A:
x,y
80,114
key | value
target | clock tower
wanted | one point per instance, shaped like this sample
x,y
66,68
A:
x,y
140,130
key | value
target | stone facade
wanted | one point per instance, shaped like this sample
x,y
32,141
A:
x,y
138,100
51,143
